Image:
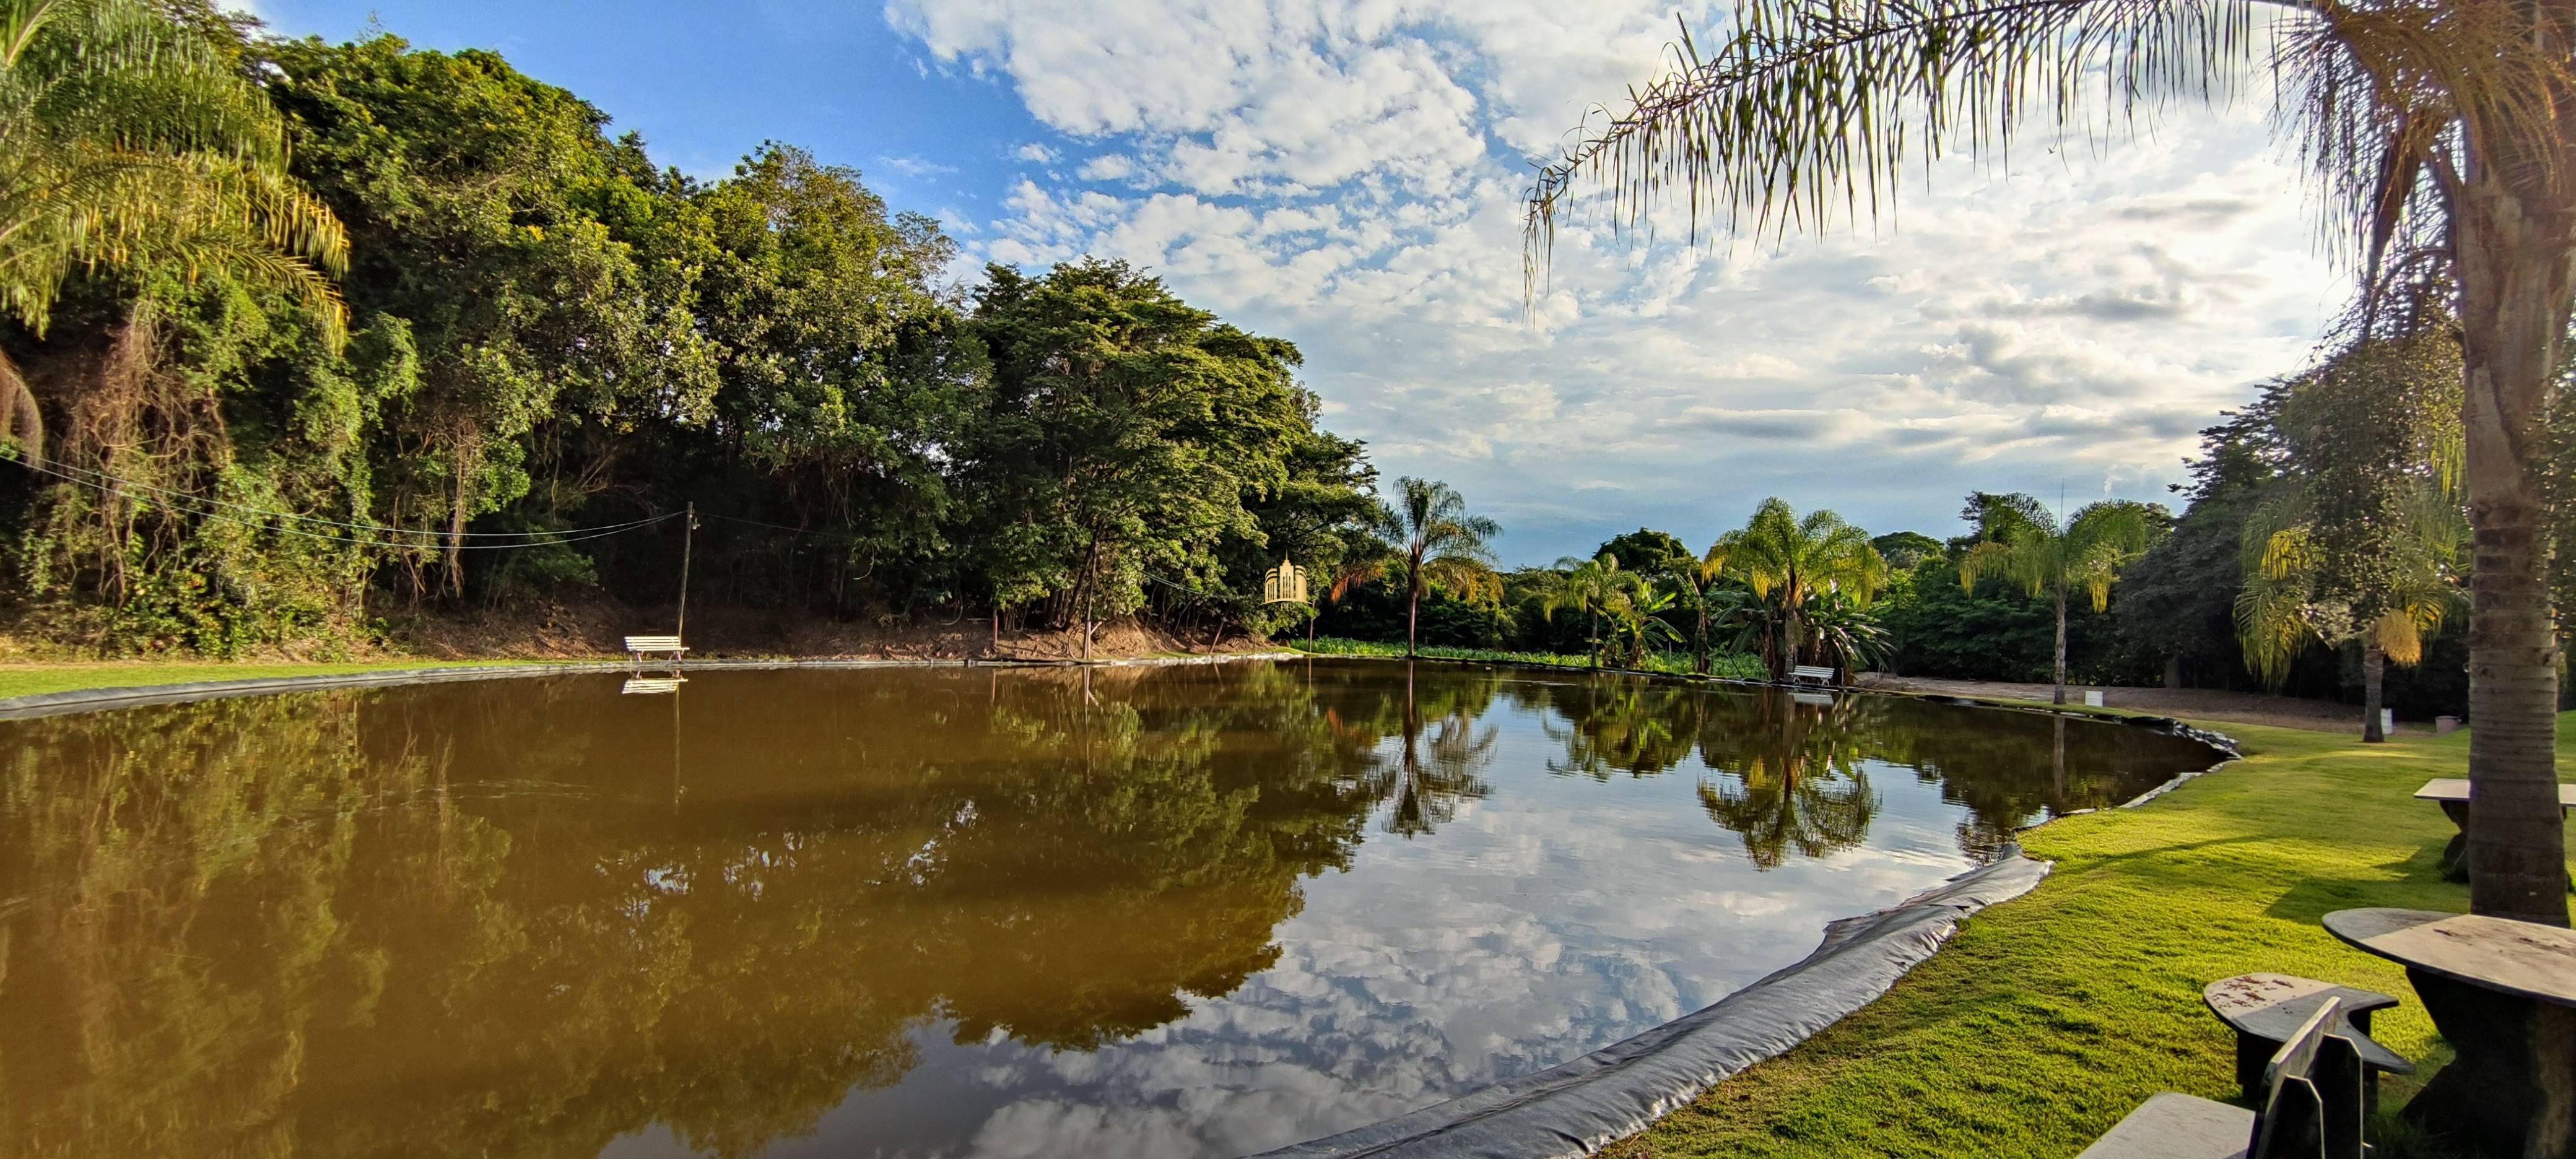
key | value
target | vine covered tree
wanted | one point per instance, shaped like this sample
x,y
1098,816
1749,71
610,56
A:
x,y
2439,125
1438,547
128,138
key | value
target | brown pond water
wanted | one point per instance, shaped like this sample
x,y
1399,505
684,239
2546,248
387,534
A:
x,y
1186,911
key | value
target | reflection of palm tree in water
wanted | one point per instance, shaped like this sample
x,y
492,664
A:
x,y
1793,781
1427,786
1625,724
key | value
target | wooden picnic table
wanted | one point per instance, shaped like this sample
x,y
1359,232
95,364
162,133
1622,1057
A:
x,y
2503,994
2452,794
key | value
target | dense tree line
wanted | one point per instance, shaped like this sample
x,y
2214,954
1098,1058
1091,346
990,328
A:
x,y
515,326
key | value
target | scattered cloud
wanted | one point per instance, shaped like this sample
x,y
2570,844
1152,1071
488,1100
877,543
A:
x,y
1347,173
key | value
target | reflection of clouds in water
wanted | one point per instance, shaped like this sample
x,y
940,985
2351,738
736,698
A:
x,y
1518,936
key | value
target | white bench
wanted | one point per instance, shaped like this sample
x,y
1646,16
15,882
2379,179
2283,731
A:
x,y
1810,674
639,646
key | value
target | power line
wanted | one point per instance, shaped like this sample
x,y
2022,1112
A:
x,y
284,527
120,483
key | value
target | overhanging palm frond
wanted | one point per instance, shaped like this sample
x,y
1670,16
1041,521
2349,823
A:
x,y
1811,107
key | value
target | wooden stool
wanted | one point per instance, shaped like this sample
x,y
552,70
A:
x,y
2266,1009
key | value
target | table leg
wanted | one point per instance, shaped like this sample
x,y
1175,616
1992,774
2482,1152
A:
x,y
2511,1092
2455,856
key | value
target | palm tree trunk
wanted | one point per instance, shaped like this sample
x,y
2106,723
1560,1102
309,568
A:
x,y
1412,611
1792,633
2061,647
1699,645
2516,255
2374,670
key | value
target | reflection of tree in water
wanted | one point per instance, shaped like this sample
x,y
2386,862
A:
x,y
1789,775
296,925
1440,755
1793,776
1620,723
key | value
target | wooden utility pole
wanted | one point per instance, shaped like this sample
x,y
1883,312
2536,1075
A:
x,y
688,540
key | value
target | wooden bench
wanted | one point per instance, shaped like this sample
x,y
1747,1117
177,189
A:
x,y
640,646
1811,674
2452,794
2266,1009
2312,1108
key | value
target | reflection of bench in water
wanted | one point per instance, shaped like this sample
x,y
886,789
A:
x,y
650,685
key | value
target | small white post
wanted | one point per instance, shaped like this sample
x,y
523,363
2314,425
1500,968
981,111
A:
x,y
2387,721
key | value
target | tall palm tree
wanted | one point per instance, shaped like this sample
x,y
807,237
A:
x,y
2444,124
1777,552
126,137
2059,556
1439,546
2281,607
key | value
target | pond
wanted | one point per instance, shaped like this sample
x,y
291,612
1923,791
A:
x,y
1195,910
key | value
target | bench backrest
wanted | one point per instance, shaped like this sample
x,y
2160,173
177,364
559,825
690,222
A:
x,y
1813,672
652,643
2312,1100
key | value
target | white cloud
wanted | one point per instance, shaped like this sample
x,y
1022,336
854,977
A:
x,y
1347,173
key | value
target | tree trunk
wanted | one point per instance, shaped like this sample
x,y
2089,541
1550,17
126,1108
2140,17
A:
x,y
1792,633
2061,648
1413,610
2173,671
1699,646
2374,669
2515,251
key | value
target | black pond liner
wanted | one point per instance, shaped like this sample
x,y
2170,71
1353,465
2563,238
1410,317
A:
x,y
1612,1093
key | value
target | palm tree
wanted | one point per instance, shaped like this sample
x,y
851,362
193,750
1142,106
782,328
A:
x,y
2439,124
1439,547
2059,556
1777,552
126,137
1595,587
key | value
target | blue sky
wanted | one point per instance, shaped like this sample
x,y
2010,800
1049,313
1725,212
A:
x,y
1346,174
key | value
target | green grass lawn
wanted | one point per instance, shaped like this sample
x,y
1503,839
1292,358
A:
x,y
30,679
2052,1016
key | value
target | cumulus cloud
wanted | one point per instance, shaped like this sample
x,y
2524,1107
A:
x,y
1347,173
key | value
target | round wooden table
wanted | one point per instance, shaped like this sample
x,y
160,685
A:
x,y
2503,994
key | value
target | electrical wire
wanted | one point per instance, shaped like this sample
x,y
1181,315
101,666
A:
x,y
526,538
119,483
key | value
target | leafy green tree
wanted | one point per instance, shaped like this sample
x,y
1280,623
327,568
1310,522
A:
x,y
1904,549
2361,537
2177,601
1597,588
2050,556
1127,432
1439,546
2432,122
1789,561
